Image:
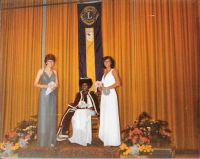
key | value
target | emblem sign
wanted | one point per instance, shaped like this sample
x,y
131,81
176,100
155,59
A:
x,y
89,34
89,15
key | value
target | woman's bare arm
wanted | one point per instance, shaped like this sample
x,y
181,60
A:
x,y
36,83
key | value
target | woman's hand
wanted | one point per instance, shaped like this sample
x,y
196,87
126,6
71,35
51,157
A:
x,y
44,86
105,88
99,89
52,85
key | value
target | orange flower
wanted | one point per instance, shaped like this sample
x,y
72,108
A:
x,y
125,153
130,133
144,139
136,130
12,134
134,140
123,147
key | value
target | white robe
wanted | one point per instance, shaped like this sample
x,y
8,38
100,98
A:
x,y
81,123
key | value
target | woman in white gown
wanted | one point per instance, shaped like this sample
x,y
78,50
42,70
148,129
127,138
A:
x,y
109,131
81,120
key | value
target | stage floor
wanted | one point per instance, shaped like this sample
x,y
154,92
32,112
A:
x,y
65,149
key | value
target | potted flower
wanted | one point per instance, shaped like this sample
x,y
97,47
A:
x,y
144,135
19,137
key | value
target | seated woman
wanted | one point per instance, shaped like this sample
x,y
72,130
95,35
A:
x,y
85,105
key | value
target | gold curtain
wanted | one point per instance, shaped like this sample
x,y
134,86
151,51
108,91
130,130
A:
x,y
156,52
1,85
21,59
62,40
118,41
167,52
154,43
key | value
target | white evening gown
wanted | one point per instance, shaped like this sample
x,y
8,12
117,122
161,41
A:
x,y
109,131
81,124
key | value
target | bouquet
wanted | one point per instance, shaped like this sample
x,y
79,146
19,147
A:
x,y
51,87
98,84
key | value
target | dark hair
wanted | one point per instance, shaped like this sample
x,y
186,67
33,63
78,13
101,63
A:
x,y
88,81
49,57
111,60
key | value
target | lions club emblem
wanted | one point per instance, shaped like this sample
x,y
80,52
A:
x,y
89,15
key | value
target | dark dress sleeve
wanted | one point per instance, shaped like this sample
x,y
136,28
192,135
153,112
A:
x,y
76,100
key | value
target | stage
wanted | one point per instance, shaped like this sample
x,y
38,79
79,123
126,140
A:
x,y
155,46
64,149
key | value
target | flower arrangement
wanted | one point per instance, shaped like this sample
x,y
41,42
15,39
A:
x,y
98,84
144,135
19,137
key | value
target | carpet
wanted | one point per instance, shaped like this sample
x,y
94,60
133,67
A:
x,y
65,149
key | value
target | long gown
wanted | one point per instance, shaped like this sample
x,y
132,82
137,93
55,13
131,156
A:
x,y
46,132
109,131
81,124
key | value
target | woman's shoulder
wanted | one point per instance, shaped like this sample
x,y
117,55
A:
x,y
114,70
54,71
40,71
